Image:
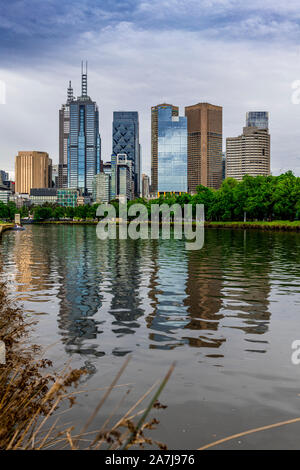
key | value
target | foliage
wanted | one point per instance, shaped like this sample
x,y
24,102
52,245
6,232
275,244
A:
x,y
256,198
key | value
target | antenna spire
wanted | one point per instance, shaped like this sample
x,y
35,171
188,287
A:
x,y
70,93
84,79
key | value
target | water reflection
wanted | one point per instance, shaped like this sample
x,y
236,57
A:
x,y
151,294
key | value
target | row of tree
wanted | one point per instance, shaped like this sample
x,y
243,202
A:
x,y
256,198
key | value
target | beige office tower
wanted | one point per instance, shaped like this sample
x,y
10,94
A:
x,y
204,123
154,143
32,170
248,154
145,186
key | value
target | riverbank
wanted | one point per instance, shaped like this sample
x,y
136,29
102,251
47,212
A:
x,y
4,227
284,225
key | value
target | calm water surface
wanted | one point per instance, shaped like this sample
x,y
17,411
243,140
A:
x,y
227,314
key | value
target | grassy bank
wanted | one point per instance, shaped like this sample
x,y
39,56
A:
x,y
284,225
31,393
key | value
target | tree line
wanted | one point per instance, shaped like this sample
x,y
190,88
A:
x,y
253,198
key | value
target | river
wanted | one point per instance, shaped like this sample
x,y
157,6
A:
x,y
227,314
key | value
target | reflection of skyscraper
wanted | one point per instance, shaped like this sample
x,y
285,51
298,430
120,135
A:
x,y
125,266
167,293
84,160
79,291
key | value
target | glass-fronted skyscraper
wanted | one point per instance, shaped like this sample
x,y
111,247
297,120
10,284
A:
x,y
126,141
258,119
84,144
172,151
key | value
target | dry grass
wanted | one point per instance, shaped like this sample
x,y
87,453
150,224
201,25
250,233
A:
x,y
30,396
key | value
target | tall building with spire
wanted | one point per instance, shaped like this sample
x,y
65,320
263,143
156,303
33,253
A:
x,y
64,130
81,117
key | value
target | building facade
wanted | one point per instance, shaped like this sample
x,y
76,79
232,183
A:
x,y
32,170
259,119
84,144
125,140
67,197
171,151
64,132
4,175
102,188
122,183
5,195
145,186
204,122
154,143
39,196
248,154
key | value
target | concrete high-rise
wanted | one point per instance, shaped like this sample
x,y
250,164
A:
x,y
249,153
64,131
145,186
102,188
32,170
204,123
125,140
122,185
154,142
84,144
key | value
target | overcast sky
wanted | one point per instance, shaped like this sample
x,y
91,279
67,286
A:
x,y
240,55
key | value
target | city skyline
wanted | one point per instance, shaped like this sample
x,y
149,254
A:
x,y
133,37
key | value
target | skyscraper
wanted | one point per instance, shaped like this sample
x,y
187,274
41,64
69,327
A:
x,y
259,119
154,142
64,131
249,153
84,144
145,186
204,122
102,187
171,169
125,140
121,177
4,175
32,170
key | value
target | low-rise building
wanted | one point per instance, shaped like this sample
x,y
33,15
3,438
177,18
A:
x,y
5,195
40,196
67,197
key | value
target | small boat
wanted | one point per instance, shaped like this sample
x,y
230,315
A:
x,y
18,227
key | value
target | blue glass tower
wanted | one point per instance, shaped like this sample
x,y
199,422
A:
x,y
172,151
126,140
84,143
